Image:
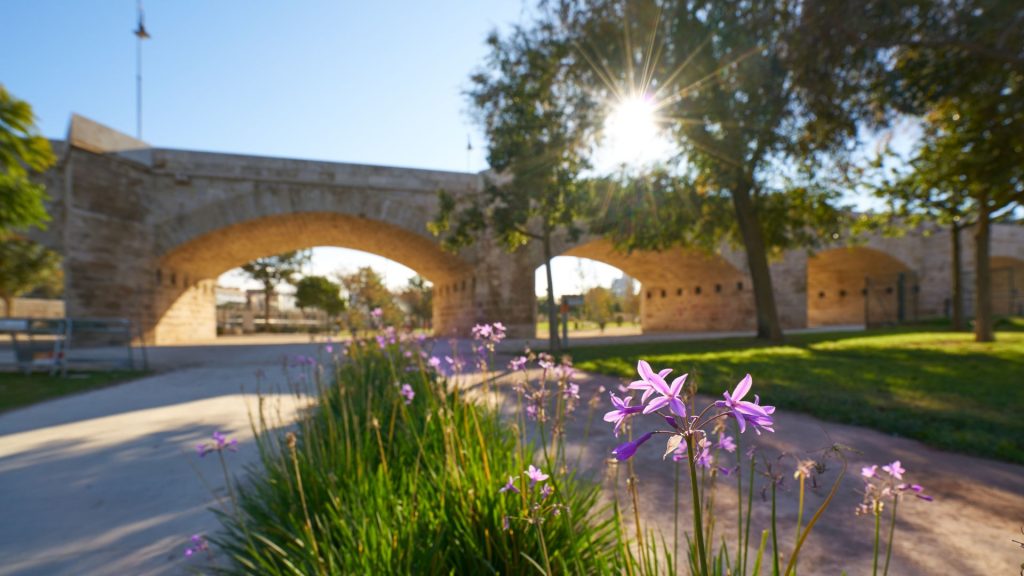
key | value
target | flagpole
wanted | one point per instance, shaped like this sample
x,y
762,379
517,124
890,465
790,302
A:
x,y
140,35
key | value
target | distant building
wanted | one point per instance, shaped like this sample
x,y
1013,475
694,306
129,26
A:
x,y
278,301
624,285
229,295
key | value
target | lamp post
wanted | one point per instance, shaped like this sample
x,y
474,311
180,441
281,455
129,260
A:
x,y
140,35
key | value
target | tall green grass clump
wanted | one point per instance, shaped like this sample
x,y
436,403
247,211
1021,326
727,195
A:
x,y
394,472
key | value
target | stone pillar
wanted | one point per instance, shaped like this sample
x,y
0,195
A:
x,y
789,283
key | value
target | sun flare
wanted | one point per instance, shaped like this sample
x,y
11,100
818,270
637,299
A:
x,y
632,135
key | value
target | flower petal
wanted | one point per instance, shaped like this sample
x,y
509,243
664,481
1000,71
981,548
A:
x,y
742,388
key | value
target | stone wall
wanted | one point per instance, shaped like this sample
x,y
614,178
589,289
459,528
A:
x,y
33,308
145,232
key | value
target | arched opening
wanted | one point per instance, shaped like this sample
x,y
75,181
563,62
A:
x,y
362,280
859,286
185,278
600,299
1007,286
681,290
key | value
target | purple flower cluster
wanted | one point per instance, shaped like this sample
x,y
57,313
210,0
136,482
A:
x,y
407,392
219,444
657,396
490,333
879,487
199,544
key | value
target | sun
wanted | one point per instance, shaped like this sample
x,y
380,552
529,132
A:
x,y
632,136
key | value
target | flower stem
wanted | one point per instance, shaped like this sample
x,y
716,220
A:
x,y
878,521
739,510
799,517
698,523
675,516
892,532
775,534
543,549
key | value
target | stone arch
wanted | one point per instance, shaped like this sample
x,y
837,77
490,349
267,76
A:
x,y
1007,285
857,285
681,290
186,274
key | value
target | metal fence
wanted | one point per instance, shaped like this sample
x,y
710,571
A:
x,y
890,299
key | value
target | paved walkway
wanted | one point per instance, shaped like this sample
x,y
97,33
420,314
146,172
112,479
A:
x,y
106,482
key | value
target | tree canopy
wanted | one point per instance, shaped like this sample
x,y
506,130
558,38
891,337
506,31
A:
x,y
536,124
23,151
24,266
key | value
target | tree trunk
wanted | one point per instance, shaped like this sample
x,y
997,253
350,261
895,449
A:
x,y
757,259
983,330
958,290
8,306
553,342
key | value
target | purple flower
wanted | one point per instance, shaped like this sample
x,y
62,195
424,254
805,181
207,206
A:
x,y
219,444
510,486
546,491
869,471
643,368
517,363
703,458
535,475
726,443
531,411
743,411
669,394
434,362
724,471
482,331
377,312
626,451
918,491
572,391
408,393
895,470
622,411
199,544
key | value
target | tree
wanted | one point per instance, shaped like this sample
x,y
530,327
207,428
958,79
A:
x,y
536,130
418,300
921,191
958,66
599,306
24,266
716,69
320,293
366,292
22,151
272,271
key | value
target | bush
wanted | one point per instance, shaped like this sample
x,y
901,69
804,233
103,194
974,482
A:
x,y
382,480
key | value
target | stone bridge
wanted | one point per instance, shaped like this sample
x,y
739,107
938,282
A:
x,y
145,232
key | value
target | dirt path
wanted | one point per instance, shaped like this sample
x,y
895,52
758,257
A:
x,y
968,529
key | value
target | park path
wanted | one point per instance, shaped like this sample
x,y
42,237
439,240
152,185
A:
x,y
109,482
106,482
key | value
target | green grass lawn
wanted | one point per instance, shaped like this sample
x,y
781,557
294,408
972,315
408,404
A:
x,y
936,386
18,390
